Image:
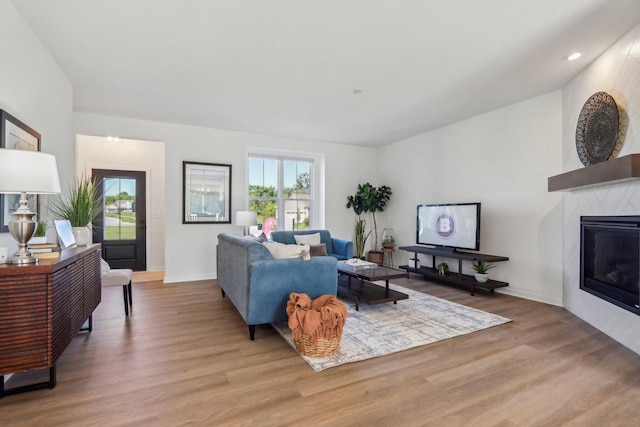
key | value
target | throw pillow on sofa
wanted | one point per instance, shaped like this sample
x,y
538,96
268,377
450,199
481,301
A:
x,y
282,251
318,250
312,239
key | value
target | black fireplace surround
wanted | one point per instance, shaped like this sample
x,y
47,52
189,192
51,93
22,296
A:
x,y
610,259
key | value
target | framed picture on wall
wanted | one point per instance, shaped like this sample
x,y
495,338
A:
x,y
206,193
16,135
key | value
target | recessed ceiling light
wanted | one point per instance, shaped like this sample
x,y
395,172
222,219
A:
x,y
356,91
573,56
113,138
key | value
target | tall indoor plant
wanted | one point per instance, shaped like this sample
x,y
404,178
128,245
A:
x,y
361,234
374,199
369,199
80,205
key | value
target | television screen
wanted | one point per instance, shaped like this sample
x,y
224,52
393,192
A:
x,y
450,225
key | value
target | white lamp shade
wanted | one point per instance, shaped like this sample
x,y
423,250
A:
x,y
246,218
29,172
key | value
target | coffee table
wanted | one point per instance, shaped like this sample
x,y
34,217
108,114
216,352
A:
x,y
356,283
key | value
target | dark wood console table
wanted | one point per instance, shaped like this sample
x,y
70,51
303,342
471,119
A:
x,y
455,278
42,306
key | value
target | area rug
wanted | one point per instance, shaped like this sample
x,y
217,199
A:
x,y
387,328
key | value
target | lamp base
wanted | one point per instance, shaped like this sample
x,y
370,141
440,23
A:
x,y
21,258
22,226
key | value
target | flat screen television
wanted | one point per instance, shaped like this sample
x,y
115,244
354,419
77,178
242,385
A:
x,y
451,226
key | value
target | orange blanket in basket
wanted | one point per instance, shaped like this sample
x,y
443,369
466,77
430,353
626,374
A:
x,y
322,317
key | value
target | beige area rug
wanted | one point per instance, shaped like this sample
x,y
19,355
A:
x,y
383,329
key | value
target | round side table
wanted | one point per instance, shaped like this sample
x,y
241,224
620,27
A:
x,y
389,252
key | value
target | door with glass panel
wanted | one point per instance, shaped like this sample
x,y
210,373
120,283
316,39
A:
x,y
121,227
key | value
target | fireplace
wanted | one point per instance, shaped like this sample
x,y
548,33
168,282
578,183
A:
x,y
610,259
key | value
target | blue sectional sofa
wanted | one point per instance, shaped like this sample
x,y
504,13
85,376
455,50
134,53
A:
x,y
338,248
259,285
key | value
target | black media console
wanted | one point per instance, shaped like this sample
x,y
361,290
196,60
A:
x,y
454,278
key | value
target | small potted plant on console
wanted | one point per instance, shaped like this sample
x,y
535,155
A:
x,y
481,268
443,268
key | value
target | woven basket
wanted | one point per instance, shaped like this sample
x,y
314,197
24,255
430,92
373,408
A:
x,y
322,348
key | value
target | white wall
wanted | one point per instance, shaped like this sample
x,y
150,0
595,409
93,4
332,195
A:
x,y
501,159
616,72
37,92
135,155
190,248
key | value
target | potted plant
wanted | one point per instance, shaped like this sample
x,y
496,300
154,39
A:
x,y
481,268
40,235
374,199
80,205
388,241
361,234
443,268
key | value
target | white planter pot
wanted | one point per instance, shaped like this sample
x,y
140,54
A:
x,y
38,240
82,235
481,278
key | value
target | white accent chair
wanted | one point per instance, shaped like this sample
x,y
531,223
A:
x,y
118,277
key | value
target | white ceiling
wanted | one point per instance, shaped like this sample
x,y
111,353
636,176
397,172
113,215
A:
x,y
288,67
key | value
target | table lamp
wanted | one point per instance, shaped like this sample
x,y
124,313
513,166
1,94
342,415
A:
x,y
26,172
246,219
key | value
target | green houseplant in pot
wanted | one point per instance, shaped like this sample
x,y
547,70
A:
x,y
374,199
361,234
481,271
80,204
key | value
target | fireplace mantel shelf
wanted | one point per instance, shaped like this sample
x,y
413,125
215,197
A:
x,y
622,168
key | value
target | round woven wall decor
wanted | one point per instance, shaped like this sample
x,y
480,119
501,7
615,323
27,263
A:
x,y
597,130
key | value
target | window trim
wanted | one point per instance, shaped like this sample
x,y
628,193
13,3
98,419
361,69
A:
x,y
317,179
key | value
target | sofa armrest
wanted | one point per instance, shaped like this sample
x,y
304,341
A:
x,y
343,248
271,282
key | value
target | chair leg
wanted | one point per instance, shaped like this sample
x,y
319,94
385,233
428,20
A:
x,y
126,303
130,295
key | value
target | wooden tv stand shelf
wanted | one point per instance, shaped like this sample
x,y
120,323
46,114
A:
x,y
455,278
42,306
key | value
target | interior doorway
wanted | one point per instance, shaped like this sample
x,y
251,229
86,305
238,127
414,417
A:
x,y
121,227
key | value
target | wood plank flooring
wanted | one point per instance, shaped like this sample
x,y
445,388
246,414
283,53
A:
x,y
184,358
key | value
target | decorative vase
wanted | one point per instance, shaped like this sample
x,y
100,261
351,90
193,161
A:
x,y
481,278
388,241
82,235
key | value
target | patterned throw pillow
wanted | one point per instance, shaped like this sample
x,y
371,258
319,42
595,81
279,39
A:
x,y
104,267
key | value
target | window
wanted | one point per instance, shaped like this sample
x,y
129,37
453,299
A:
x,y
119,209
281,192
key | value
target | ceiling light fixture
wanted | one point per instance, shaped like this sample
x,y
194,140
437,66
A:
x,y
356,91
573,56
113,138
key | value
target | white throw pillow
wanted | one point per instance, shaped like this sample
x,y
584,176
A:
x,y
311,239
104,267
282,251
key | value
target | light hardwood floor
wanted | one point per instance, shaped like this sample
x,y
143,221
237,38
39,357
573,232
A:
x,y
184,358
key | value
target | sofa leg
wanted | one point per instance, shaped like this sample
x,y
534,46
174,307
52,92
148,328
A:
x,y
252,332
223,294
